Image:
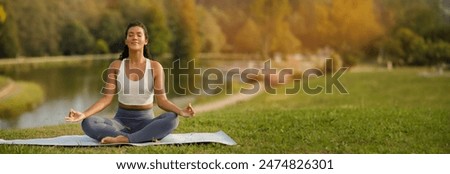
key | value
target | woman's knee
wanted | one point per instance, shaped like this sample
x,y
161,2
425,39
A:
x,y
170,119
168,116
90,123
174,119
87,122
173,116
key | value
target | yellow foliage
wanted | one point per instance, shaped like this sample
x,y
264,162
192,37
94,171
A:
x,y
2,14
355,21
338,23
284,40
248,38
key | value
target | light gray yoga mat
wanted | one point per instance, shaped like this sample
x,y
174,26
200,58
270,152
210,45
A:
x,y
84,140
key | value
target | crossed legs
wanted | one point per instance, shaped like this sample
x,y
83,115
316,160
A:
x,y
113,131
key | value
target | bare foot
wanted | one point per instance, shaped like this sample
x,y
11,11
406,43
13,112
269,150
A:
x,y
118,139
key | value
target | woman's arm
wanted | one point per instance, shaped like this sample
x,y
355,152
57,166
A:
x,y
109,90
161,97
98,106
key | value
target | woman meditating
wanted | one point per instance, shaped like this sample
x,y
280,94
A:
x,y
136,80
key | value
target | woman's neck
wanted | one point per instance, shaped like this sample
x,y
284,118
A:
x,y
136,57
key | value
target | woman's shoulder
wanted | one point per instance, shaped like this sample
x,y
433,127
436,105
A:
x,y
155,64
115,64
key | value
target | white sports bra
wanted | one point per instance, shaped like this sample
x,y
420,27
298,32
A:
x,y
135,92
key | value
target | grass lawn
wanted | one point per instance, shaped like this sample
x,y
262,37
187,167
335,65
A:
x,y
384,112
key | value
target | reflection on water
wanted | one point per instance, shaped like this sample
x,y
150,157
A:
x,y
66,86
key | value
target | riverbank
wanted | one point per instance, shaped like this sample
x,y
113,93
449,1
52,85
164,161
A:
x,y
385,112
77,58
55,59
18,97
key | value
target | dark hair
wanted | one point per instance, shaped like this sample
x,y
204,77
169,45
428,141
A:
x,y
125,53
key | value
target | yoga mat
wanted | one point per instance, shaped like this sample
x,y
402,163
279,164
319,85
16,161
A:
x,y
84,140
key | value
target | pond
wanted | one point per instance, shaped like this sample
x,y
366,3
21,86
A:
x,y
74,85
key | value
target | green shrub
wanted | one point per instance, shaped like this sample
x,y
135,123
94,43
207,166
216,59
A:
x,y
26,97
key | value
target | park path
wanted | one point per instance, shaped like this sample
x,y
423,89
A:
x,y
8,89
227,101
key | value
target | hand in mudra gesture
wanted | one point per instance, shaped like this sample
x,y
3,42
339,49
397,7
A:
x,y
187,112
75,116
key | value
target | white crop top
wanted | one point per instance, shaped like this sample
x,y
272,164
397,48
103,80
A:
x,y
135,92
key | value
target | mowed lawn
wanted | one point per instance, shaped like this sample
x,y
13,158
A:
x,y
396,111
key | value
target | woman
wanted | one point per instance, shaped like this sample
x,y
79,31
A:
x,y
136,79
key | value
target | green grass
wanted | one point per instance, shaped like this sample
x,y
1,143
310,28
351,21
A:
x,y
25,97
385,112
223,92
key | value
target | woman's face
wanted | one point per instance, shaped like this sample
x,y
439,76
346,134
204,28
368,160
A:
x,y
136,39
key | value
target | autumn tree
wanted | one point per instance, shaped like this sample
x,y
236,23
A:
x,y
231,16
2,14
284,40
183,23
185,43
249,38
212,39
9,45
271,16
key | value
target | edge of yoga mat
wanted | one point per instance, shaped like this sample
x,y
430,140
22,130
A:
x,y
83,140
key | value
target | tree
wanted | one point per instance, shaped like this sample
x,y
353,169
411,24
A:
x,y
270,15
212,38
9,44
248,38
78,39
2,14
230,23
420,16
356,26
406,47
391,50
101,47
39,26
158,29
355,22
421,33
185,44
438,53
303,20
347,26
284,40
110,30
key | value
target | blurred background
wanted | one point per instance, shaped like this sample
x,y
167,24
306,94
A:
x,y
82,36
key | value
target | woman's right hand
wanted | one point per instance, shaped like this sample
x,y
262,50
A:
x,y
75,116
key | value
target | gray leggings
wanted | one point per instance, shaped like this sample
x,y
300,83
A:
x,y
138,125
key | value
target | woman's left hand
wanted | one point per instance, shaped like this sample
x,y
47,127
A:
x,y
188,111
